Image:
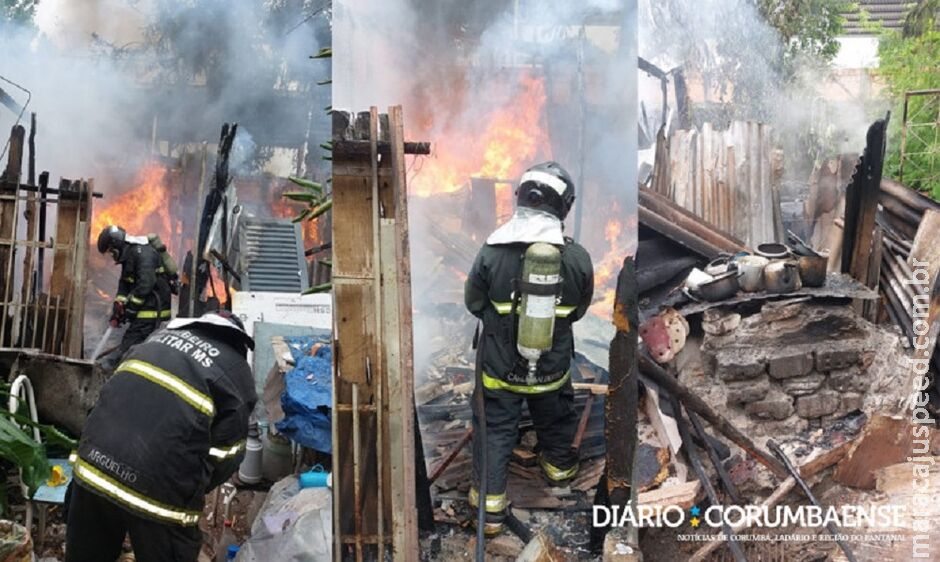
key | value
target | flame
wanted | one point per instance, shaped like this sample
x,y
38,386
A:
x,y
282,208
510,139
141,209
608,267
104,296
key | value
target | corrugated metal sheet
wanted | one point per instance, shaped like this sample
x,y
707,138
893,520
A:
x,y
890,13
273,256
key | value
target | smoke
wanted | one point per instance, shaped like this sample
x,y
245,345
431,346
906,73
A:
x,y
463,73
809,104
110,77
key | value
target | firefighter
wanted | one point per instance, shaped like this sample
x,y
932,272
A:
x,y
143,296
169,426
544,197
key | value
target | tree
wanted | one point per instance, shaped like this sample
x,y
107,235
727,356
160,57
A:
x,y
17,11
910,61
749,50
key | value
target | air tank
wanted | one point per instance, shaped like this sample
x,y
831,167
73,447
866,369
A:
x,y
541,266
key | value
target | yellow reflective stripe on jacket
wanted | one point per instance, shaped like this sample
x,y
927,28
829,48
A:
x,y
223,453
73,456
120,298
113,489
493,383
145,314
170,382
555,473
502,307
506,308
564,311
495,503
136,300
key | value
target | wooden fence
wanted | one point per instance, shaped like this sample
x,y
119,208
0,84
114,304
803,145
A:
x,y
730,178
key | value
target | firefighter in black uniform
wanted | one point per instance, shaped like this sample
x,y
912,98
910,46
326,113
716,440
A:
x,y
143,296
544,197
169,426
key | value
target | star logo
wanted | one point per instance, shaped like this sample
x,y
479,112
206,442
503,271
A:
x,y
695,511
695,522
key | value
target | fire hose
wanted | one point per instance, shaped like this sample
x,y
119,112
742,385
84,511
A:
x,y
481,416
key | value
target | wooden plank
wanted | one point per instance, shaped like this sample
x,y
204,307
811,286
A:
x,y
67,217
74,337
405,513
683,494
884,441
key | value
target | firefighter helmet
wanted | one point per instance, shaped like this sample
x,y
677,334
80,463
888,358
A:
x,y
220,319
546,187
111,237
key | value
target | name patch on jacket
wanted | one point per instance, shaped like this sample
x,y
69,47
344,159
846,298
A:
x,y
113,467
183,340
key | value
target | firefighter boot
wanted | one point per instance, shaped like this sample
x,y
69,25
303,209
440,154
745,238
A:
x,y
495,511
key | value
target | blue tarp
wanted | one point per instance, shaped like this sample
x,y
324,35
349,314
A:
x,y
308,395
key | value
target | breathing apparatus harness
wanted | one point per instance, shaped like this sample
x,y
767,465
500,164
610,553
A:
x,y
534,295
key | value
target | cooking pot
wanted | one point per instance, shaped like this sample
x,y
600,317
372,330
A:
x,y
813,269
773,250
752,272
722,287
782,276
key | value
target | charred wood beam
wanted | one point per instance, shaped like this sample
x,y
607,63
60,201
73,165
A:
x,y
620,408
795,474
696,463
861,203
894,190
662,215
362,149
694,403
11,186
723,476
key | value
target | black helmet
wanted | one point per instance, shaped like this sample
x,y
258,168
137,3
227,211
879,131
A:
x,y
111,237
546,187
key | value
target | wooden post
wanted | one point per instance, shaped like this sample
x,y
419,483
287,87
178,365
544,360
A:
x,y
373,352
76,310
620,408
9,189
404,510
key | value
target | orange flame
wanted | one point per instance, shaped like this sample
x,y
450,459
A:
x,y
607,268
140,210
282,208
511,137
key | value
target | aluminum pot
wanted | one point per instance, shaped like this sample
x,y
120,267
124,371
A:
x,y
813,269
773,251
782,276
752,272
720,288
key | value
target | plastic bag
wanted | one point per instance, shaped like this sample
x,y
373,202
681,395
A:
x,y
293,525
15,543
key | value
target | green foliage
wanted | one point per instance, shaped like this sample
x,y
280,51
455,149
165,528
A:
x,y
910,61
807,28
17,447
17,11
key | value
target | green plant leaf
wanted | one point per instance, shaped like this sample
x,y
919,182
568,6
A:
x,y
308,184
321,288
324,53
21,450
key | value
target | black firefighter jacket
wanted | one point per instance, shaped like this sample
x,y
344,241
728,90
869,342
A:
x,y
143,288
169,425
488,295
